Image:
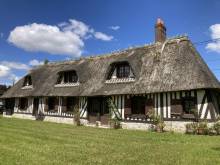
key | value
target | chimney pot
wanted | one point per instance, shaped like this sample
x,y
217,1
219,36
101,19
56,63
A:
x,y
160,31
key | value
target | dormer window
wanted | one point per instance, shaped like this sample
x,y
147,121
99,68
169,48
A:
x,y
27,82
67,78
123,71
120,72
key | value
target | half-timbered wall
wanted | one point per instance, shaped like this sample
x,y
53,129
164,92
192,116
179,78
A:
x,y
29,108
119,104
83,107
168,104
207,104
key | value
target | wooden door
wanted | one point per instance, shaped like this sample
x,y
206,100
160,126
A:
x,y
35,107
98,110
94,106
104,115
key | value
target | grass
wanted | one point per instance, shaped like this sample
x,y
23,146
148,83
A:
x,y
35,142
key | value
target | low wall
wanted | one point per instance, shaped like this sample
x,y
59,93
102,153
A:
x,y
176,126
136,126
55,119
58,119
24,116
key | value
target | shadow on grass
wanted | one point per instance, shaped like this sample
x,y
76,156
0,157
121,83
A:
x,y
216,148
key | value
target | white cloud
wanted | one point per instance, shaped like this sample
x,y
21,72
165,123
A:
x,y
215,33
4,71
76,27
15,65
102,36
46,38
114,27
35,62
9,69
67,38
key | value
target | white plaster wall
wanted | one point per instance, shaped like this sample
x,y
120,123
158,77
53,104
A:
x,y
59,119
48,118
200,95
136,126
83,106
176,126
24,116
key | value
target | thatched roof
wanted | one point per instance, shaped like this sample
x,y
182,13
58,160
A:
x,y
171,66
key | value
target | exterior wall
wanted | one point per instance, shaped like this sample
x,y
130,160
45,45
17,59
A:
x,y
43,108
206,105
83,107
29,107
119,104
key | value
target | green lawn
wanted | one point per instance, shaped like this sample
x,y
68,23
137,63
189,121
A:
x,y
34,142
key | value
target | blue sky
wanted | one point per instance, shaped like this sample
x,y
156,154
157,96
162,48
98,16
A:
x,y
61,30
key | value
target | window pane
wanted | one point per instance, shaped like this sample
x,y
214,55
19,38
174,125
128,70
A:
x,y
66,77
123,71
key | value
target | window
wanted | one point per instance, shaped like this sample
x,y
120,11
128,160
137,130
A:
x,y
138,105
67,77
70,103
27,81
23,103
189,105
123,71
120,70
51,103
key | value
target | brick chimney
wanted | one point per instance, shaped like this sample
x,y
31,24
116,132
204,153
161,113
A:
x,y
160,31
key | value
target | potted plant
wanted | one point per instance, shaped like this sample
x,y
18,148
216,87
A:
x,y
158,122
202,128
160,126
115,123
97,123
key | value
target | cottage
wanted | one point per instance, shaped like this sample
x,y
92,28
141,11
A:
x,y
168,77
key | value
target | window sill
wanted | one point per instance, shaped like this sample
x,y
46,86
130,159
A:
x,y
67,85
27,87
119,80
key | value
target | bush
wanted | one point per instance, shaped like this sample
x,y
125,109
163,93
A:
x,y
191,128
76,116
212,131
202,128
115,123
216,127
157,121
160,126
